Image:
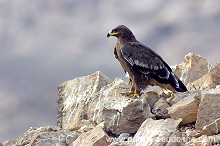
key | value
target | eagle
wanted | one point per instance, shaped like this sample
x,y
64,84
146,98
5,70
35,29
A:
x,y
143,65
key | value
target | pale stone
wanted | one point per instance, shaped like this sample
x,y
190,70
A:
x,y
186,109
152,97
201,141
95,137
82,99
155,132
212,128
210,80
123,115
192,68
74,97
48,135
160,108
209,108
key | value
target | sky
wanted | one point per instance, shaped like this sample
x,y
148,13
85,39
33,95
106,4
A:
x,y
46,42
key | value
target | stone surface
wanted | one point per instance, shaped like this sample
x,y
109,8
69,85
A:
x,y
152,97
155,132
95,137
209,108
46,136
192,68
160,108
210,80
123,115
81,100
186,108
211,129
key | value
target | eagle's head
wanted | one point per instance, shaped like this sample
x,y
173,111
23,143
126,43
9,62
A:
x,y
120,32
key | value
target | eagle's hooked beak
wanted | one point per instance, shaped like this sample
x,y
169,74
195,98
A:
x,y
111,34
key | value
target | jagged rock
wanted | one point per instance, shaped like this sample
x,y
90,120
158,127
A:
x,y
123,115
95,137
45,136
8,143
155,132
74,98
81,100
192,68
212,128
152,97
160,108
124,139
209,108
185,108
210,80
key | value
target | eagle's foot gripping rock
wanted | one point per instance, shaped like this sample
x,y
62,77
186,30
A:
x,y
130,94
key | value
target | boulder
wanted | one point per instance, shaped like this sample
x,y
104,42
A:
x,y
81,100
209,108
155,132
192,68
95,137
75,97
210,80
160,108
186,108
48,135
124,115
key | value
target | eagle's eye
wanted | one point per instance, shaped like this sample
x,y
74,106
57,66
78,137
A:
x,y
115,30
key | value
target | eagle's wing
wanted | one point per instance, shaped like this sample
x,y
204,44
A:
x,y
145,60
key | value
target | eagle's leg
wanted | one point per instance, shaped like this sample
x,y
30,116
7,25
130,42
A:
x,y
134,90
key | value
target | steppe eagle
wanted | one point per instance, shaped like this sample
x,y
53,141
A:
x,y
143,65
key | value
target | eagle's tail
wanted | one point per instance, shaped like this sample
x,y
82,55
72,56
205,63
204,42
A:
x,y
177,83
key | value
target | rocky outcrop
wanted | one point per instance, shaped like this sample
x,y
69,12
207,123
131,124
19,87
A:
x,y
91,111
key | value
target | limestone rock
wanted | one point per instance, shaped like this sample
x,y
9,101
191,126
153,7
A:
x,y
95,137
192,68
74,97
210,80
211,129
123,115
48,135
209,108
186,108
160,108
81,100
155,132
152,97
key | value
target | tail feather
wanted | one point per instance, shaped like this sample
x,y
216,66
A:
x,y
177,84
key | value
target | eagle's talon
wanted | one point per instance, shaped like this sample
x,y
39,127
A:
x,y
127,94
130,94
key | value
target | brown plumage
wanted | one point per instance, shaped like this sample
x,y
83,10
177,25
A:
x,y
144,66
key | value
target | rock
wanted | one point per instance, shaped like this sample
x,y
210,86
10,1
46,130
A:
x,y
155,132
8,143
95,137
160,108
212,128
192,68
48,135
124,139
152,97
81,100
74,97
210,80
201,141
209,108
186,108
123,115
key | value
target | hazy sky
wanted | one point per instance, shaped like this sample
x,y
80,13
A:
x,y
46,42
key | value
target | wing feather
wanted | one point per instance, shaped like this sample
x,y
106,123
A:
x,y
145,60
